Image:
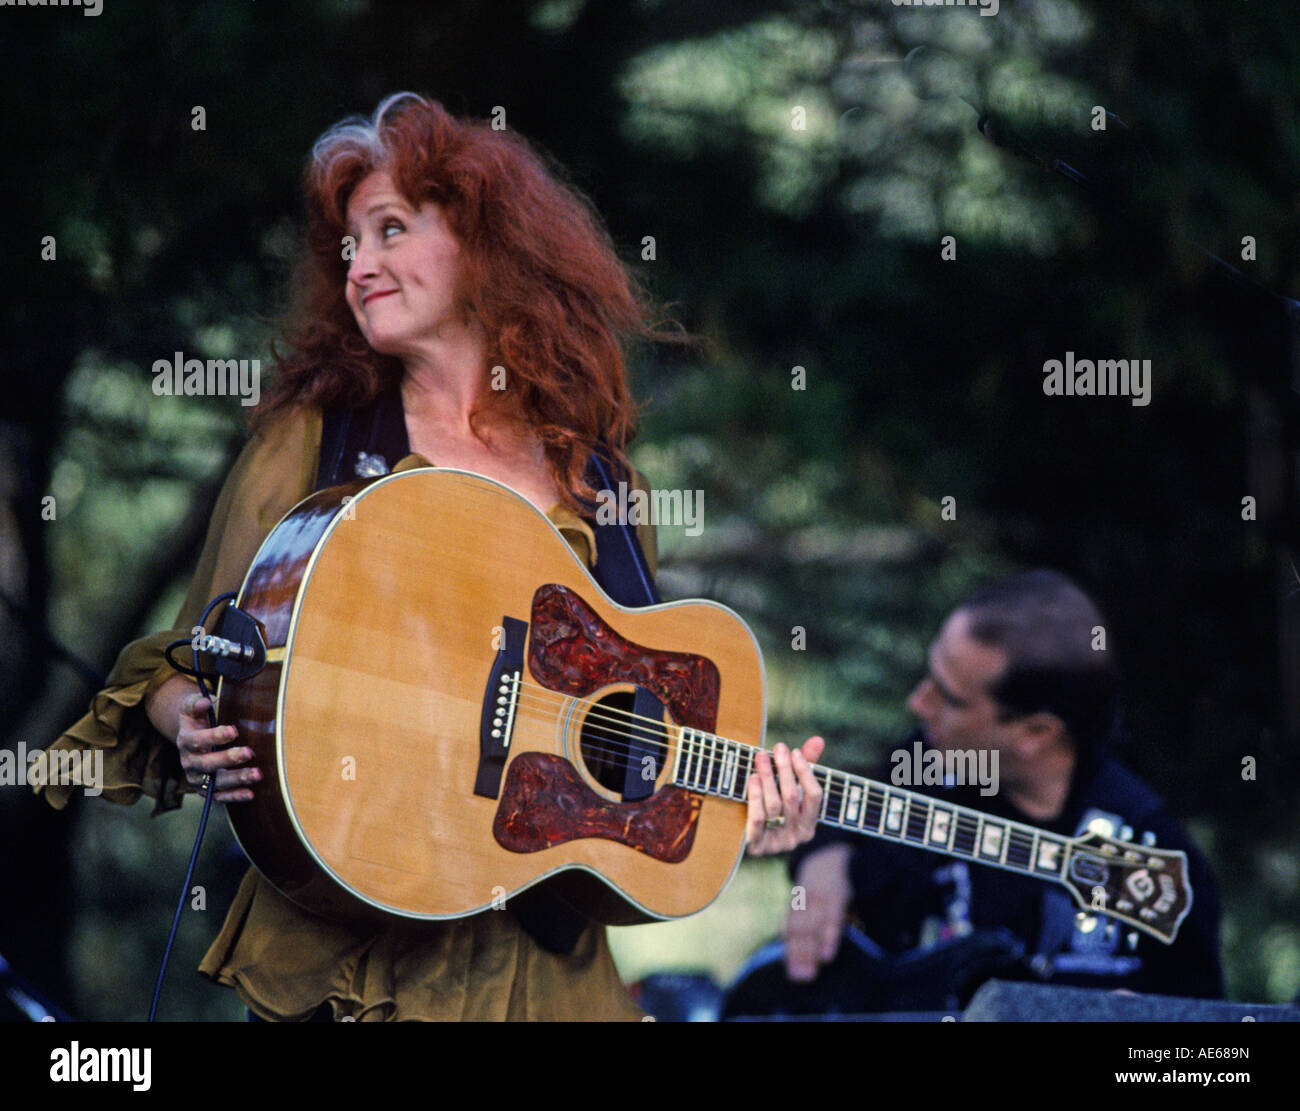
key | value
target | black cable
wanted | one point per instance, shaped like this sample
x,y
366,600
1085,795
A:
x,y
209,793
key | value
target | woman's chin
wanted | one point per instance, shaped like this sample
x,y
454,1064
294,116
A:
x,y
383,344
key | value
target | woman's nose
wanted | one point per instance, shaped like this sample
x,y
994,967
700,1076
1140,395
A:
x,y
361,266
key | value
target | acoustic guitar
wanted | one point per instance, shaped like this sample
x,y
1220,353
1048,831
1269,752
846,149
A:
x,y
450,710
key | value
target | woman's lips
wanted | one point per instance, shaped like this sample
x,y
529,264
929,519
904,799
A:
x,y
378,293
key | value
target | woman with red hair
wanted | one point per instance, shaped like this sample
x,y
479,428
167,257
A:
x,y
457,305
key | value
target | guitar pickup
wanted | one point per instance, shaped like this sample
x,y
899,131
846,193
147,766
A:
x,y
499,703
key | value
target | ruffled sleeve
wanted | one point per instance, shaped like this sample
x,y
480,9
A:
x,y
275,470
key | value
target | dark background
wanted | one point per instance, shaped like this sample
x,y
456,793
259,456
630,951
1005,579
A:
x,y
781,246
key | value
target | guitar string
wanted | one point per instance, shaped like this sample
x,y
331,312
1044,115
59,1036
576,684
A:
x,y
541,704
1019,837
1023,841
538,698
962,844
656,732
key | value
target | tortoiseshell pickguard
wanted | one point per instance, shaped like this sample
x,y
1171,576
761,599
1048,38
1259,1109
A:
x,y
545,803
570,649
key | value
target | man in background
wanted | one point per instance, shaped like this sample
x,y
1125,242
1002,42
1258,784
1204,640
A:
x,y
1019,670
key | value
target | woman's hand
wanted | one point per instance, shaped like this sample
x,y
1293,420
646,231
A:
x,y
232,777
180,713
783,807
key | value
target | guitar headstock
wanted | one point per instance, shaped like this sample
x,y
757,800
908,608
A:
x,y
1138,884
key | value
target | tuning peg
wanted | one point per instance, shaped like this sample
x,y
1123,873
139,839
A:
x,y
1148,839
1126,833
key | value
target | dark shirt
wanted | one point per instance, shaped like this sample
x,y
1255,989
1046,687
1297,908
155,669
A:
x,y
907,896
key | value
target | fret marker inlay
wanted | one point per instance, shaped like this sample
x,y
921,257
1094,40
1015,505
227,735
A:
x,y
939,827
855,800
992,845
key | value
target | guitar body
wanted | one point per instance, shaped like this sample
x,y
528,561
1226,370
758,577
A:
x,y
392,609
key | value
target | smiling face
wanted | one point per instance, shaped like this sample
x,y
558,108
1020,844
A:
x,y
403,285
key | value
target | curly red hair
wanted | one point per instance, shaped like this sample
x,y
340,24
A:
x,y
539,269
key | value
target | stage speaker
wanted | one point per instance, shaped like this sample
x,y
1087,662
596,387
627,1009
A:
x,y
1001,1001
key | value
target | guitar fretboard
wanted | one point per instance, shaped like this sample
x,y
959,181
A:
x,y
716,766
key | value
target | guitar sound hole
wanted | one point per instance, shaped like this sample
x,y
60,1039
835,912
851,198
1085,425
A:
x,y
604,740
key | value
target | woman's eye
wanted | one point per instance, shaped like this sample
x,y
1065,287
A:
x,y
390,225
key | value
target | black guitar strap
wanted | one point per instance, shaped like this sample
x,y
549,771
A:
x,y
370,441
360,443
621,566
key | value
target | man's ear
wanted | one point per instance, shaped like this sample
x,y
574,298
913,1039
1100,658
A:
x,y
1039,733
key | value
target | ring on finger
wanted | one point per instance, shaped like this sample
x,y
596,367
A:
x,y
775,823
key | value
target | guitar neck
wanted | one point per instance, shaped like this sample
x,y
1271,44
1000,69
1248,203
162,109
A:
x,y
716,766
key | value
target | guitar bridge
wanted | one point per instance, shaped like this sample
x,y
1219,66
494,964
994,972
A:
x,y
499,703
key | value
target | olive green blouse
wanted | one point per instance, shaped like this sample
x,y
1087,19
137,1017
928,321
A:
x,y
283,961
